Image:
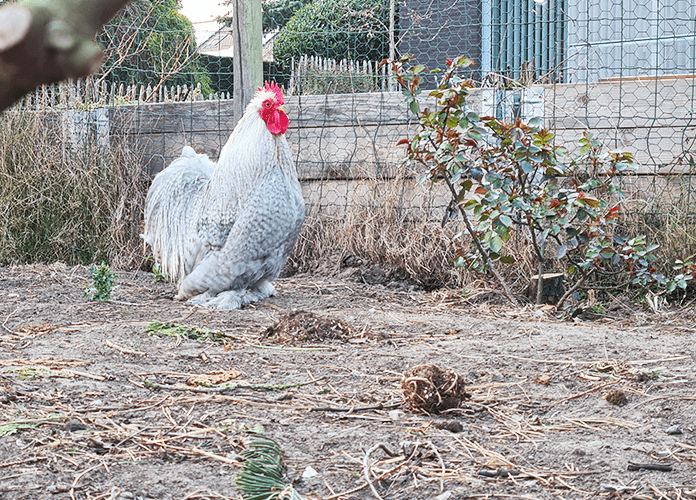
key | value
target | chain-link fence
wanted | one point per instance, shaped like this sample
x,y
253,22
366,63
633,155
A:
x,y
623,69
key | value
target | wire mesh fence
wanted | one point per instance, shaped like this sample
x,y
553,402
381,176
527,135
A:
x,y
623,69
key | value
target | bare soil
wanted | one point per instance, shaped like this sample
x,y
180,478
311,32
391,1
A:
x,y
98,403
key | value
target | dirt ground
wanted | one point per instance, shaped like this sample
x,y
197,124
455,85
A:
x,y
100,402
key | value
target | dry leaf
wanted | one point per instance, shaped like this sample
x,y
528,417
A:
x,y
213,378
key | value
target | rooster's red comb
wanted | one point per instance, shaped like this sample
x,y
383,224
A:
x,y
273,87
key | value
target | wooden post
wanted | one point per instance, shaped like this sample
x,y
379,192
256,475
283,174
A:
x,y
392,42
247,63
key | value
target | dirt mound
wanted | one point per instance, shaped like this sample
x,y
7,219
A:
x,y
431,389
304,326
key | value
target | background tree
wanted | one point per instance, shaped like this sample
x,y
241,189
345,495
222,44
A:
x,y
336,29
276,13
150,42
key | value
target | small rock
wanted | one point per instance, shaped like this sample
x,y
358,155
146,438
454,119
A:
x,y
395,414
309,472
7,394
675,429
75,425
444,496
452,426
58,488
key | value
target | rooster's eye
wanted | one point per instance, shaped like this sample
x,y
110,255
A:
x,y
267,104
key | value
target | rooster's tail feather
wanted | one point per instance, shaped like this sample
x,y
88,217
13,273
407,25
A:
x,y
171,200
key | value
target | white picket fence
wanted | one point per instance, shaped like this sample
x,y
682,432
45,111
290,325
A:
x,y
317,75
309,74
89,92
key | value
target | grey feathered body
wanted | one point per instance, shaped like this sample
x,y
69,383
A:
x,y
225,231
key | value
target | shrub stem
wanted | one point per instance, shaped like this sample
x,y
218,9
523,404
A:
x,y
482,251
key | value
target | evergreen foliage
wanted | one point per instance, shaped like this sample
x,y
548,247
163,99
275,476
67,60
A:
x,y
335,29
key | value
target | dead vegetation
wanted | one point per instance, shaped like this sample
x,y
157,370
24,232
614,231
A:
x,y
432,389
66,201
302,326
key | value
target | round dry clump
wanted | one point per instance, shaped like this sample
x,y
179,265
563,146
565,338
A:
x,y
617,397
304,326
431,389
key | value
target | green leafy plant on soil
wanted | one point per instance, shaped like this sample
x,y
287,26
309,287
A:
x,y
261,477
189,332
9,429
13,427
511,178
159,275
103,280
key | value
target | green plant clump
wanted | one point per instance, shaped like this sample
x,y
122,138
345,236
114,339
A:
x,y
103,280
9,429
261,477
190,332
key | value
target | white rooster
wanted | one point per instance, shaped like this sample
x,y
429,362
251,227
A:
x,y
224,231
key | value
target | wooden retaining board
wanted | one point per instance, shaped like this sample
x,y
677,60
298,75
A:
x,y
344,136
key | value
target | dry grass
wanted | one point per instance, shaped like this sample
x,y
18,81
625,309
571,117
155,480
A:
x,y
62,203
383,223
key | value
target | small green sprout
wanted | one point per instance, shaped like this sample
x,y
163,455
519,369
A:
x,y
159,275
103,283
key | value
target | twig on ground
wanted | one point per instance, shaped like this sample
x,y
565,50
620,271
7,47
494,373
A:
x,y
352,409
123,349
442,464
659,467
572,488
8,319
223,388
367,469
80,476
575,396
100,378
258,346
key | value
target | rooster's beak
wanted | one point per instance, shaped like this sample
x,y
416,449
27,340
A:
x,y
282,108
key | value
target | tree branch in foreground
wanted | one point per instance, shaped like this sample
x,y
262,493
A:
x,y
46,41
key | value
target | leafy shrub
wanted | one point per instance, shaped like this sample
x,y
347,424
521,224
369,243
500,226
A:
x,y
507,178
277,13
150,42
335,29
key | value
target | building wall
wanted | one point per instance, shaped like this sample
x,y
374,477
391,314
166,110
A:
x,y
435,30
630,38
